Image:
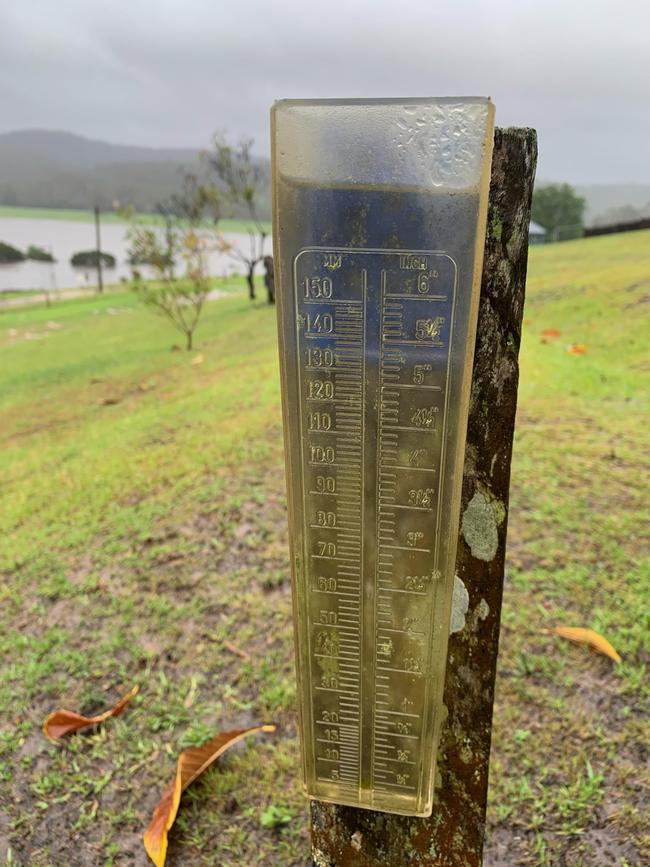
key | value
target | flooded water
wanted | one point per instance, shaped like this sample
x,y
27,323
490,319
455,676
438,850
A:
x,y
65,237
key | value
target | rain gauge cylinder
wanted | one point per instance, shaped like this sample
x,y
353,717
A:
x,y
379,225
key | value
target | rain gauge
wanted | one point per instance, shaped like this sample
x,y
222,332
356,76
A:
x,y
379,226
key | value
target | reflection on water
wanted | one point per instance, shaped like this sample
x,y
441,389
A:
x,y
65,237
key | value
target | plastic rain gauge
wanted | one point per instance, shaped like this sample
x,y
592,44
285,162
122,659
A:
x,y
379,226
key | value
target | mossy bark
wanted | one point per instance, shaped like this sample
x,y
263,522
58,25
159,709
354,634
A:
x,y
453,835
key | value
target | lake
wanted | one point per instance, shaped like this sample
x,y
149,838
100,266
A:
x,y
65,237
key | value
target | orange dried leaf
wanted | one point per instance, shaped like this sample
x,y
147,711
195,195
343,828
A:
x,y
243,654
576,348
550,334
191,764
588,637
64,722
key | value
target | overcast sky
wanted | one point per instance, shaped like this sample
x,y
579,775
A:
x,y
170,72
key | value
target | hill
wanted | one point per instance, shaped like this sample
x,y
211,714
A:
x,y
67,150
604,198
56,169
53,169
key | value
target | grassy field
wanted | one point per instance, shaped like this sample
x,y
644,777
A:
x,y
11,212
144,541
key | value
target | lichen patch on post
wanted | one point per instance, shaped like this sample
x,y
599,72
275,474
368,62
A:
x,y
459,606
320,859
481,521
482,610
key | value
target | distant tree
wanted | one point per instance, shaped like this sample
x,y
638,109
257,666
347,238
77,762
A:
x,y
558,206
239,175
88,259
39,254
180,298
9,254
139,259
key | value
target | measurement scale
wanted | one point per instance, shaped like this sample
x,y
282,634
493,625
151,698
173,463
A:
x,y
379,226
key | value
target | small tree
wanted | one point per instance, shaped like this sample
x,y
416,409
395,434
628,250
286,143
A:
x,y
39,254
240,177
90,258
178,297
9,254
556,207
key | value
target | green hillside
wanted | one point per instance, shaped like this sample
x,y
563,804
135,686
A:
x,y
60,170
144,541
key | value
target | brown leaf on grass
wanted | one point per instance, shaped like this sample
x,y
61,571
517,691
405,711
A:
x,y
549,334
243,654
198,359
191,764
64,722
576,348
590,638
109,401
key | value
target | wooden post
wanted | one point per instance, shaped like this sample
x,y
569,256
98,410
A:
x,y
98,245
453,835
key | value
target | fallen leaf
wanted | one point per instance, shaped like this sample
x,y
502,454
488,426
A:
x,y
198,359
109,401
64,722
191,764
237,651
576,348
550,334
589,637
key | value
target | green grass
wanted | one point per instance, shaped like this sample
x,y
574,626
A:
x,y
144,540
577,536
14,212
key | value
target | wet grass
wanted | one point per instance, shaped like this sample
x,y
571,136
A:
x,y
568,783
144,540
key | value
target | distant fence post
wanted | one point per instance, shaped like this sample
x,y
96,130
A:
x,y
453,835
98,245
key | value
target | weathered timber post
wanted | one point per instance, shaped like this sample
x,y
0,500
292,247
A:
x,y
453,835
98,246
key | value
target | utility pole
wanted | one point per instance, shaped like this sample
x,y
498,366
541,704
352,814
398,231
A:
x,y
98,245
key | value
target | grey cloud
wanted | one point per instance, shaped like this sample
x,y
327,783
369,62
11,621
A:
x,y
173,72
